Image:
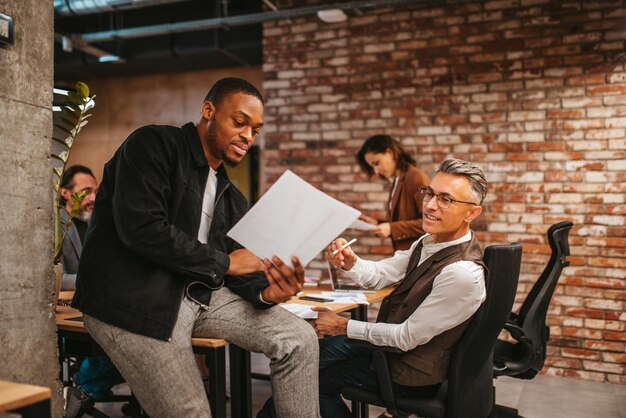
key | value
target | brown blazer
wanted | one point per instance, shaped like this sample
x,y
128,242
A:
x,y
405,215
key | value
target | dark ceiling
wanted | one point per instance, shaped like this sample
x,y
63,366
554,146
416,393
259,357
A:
x,y
161,36
143,52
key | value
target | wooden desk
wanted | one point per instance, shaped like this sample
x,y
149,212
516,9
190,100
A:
x,y
358,312
74,340
27,400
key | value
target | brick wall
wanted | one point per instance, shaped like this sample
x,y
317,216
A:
x,y
535,91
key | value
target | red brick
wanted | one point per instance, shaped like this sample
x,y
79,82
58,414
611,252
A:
x,y
604,367
604,346
580,353
542,110
614,336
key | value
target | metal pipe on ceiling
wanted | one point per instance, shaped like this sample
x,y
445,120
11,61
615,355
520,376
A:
x,y
221,22
84,7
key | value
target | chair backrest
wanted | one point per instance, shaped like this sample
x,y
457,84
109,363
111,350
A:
x,y
470,373
534,309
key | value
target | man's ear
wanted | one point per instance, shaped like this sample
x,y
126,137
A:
x,y
208,110
473,214
65,194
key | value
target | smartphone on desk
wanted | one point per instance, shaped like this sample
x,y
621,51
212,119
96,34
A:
x,y
316,299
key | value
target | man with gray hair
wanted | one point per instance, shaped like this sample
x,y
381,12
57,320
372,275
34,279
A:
x,y
440,285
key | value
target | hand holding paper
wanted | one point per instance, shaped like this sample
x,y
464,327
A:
x,y
284,282
292,218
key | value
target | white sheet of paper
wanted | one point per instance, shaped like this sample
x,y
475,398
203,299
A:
x,y
362,225
346,297
292,218
300,309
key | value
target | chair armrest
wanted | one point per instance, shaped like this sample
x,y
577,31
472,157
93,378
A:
x,y
517,333
367,344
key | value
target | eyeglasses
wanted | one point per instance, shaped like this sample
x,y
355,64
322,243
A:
x,y
442,200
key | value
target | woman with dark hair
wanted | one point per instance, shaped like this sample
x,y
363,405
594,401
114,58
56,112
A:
x,y
384,156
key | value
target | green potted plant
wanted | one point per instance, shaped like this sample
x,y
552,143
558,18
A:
x,y
72,117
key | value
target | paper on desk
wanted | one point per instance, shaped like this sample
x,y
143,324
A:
x,y
292,218
299,309
362,225
345,297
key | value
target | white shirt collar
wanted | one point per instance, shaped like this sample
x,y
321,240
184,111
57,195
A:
x,y
430,247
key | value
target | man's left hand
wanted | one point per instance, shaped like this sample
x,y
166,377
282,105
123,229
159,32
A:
x,y
284,282
329,323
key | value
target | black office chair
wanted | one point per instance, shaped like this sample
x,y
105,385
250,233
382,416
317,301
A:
x,y
525,357
468,391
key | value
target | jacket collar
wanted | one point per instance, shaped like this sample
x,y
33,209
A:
x,y
197,152
195,144
396,194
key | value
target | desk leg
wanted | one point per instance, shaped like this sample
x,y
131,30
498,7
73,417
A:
x,y
360,410
240,387
360,313
216,363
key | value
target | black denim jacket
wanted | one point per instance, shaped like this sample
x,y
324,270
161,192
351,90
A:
x,y
141,248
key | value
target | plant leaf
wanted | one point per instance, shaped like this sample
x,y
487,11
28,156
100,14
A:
x,y
82,89
74,107
75,98
56,157
69,112
68,121
63,128
61,141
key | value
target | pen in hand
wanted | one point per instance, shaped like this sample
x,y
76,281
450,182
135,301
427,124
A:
x,y
347,244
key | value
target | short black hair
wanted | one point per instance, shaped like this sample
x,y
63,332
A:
x,y
379,144
230,85
67,180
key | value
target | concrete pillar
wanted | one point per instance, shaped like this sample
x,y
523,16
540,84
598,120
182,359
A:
x,y
28,343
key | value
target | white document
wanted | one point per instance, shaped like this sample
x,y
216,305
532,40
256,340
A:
x,y
362,225
345,297
292,218
300,309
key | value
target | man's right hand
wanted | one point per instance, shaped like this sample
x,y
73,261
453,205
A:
x,y
284,282
344,259
243,261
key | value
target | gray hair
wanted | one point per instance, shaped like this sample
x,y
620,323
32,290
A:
x,y
471,171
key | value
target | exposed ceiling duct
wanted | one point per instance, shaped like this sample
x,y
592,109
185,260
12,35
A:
x,y
160,36
222,22
84,7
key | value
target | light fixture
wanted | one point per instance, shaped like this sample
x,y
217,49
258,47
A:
x,y
108,58
332,15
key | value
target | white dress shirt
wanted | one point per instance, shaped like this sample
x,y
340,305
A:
x,y
457,293
208,206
